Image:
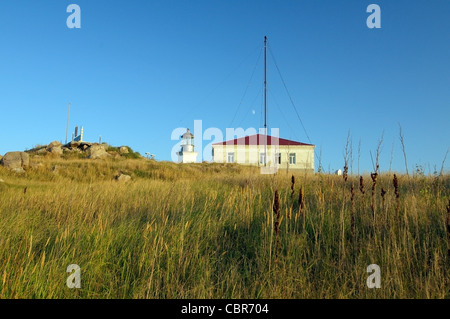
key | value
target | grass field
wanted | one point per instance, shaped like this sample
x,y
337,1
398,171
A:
x,y
210,231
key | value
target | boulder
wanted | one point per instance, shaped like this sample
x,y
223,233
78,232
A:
x,y
54,144
123,150
57,150
97,151
123,178
13,160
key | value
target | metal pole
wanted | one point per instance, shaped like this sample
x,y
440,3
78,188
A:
x,y
265,85
265,98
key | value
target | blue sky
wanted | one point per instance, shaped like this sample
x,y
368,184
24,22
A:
x,y
137,70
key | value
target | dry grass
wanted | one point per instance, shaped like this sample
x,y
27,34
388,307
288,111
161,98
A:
x,y
206,231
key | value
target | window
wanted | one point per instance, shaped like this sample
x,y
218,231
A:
x,y
262,158
292,158
278,158
230,158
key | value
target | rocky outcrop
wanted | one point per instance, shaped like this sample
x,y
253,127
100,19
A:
x,y
16,161
54,144
41,151
97,151
82,150
55,148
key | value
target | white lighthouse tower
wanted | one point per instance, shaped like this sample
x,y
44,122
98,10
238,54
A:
x,y
187,154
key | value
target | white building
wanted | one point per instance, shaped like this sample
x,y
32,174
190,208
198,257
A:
x,y
265,150
187,154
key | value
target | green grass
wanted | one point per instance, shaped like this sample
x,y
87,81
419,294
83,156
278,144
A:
x,y
206,231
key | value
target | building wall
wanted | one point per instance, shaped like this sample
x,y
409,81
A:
x,y
187,157
250,155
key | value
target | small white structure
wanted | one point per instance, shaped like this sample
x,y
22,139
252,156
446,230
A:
x,y
338,172
187,154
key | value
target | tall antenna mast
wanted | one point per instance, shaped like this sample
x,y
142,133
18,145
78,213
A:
x,y
67,127
265,85
265,98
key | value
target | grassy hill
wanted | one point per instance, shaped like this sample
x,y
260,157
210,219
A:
x,y
212,231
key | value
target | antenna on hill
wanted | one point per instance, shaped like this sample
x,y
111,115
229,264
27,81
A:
x,y
265,85
265,98
67,127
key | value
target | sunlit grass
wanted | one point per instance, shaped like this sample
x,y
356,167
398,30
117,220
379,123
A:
x,y
206,231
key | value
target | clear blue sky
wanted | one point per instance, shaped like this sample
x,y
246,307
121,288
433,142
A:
x,y
136,70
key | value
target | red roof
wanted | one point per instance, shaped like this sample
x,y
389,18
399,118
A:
x,y
259,139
